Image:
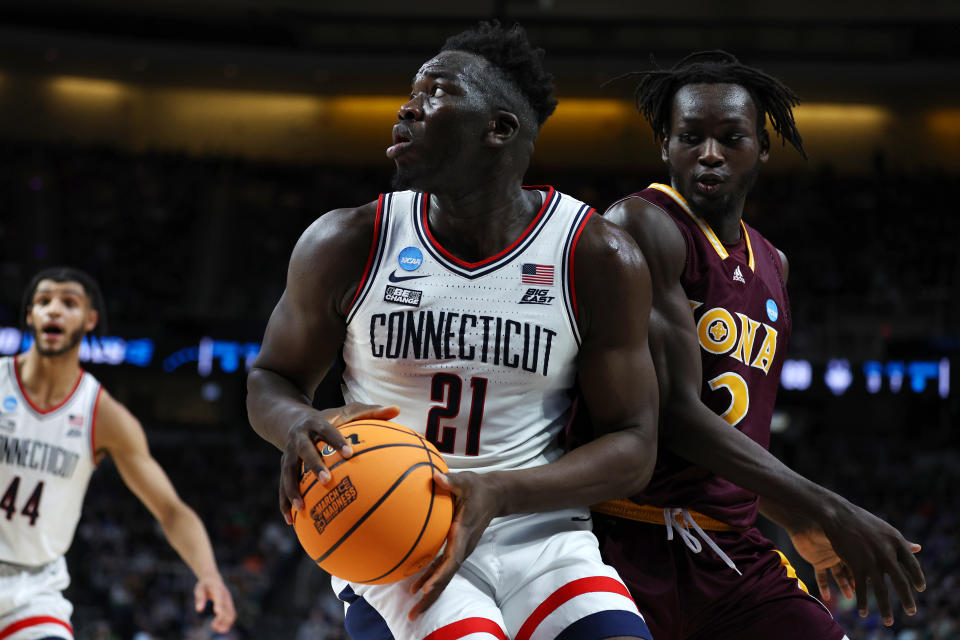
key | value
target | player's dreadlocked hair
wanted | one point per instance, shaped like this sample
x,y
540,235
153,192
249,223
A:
x,y
511,52
67,274
773,99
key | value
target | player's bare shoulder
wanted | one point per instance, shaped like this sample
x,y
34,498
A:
x,y
114,427
331,254
608,268
650,226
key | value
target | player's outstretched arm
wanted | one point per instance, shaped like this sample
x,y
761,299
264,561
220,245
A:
x,y
118,434
869,546
302,339
618,382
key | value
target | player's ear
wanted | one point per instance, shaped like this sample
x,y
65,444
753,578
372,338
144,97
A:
x,y
93,317
503,127
664,143
764,138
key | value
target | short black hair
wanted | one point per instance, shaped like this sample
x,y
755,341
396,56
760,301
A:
x,y
67,274
510,51
773,99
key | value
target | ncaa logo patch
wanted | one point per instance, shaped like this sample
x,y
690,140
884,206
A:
x,y
772,312
410,259
9,403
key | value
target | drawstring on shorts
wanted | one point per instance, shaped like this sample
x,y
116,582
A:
x,y
683,527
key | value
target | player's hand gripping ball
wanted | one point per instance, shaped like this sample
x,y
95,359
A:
x,y
380,518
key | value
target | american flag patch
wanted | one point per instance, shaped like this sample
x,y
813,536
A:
x,y
541,274
76,421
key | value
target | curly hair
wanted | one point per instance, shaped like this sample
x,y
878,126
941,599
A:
x,y
773,99
67,274
510,51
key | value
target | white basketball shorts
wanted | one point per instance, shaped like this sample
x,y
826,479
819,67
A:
x,y
531,577
31,603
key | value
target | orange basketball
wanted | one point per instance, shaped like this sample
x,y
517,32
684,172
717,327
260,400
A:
x,y
380,518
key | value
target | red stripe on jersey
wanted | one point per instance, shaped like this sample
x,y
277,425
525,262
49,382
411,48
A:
x,y
568,592
26,397
473,265
373,251
465,627
93,425
573,252
32,622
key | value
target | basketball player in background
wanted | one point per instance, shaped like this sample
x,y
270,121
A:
x,y
468,306
56,424
718,368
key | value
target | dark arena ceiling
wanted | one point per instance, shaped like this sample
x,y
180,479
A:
x,y
896,51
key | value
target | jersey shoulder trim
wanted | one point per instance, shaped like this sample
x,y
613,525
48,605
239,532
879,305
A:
x,y
569,273
375,257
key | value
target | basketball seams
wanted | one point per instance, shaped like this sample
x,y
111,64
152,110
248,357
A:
x,y
373,507
305,492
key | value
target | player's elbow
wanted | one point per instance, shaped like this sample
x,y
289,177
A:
x,y
257,381
640,456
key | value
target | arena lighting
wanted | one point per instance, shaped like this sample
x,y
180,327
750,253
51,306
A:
x,y
87,89
944,122
796,375
209,351
829,115
838,376
204,104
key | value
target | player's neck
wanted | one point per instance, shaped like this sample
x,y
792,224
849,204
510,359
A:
x,y
725,224
481,223
48,380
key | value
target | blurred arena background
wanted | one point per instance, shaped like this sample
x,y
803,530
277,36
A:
x,y
176,150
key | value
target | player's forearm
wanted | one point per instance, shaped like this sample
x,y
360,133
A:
x,y
273,405
702,437
615,465
188,537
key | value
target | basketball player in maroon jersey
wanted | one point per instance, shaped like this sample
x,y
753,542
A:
x,y
719,367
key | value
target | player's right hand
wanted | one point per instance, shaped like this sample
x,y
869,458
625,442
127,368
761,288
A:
x,y
871,549
312,428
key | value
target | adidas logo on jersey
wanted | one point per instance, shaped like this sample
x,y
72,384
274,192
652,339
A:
x,y
536,296
738,276
74,433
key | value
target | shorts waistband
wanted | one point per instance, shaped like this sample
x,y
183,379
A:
x,y
630,510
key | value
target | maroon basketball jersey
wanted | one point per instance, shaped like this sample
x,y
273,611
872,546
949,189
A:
x,y
742,315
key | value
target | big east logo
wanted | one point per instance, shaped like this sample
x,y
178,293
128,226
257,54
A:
x,y
721,332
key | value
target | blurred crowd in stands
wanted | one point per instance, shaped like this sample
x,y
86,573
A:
x,y
186,244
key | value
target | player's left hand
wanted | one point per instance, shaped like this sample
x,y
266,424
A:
x,y
873,551
476,503
816,549
212,588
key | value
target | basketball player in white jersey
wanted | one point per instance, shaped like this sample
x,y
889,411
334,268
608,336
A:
x,y
468,307
56,424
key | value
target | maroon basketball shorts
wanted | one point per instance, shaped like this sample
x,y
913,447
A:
x,y
696,596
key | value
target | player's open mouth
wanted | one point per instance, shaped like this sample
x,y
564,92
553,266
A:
x,y
709,183
51,330
401,139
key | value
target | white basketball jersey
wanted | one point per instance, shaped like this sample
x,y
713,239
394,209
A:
x,y
46,459
480,357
